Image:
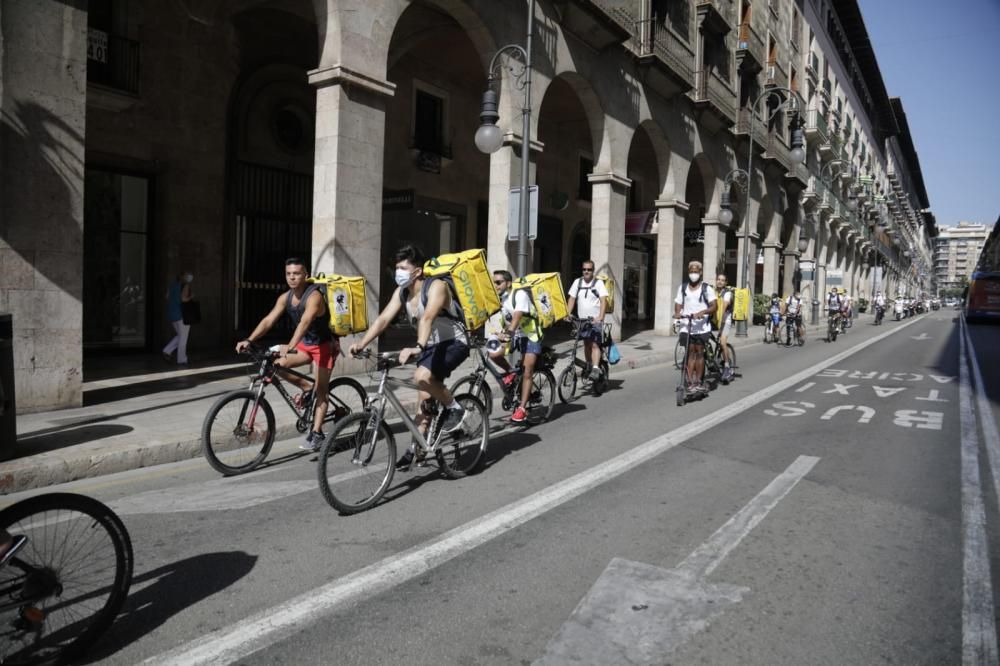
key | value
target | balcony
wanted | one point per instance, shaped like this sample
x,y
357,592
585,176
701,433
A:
x,y
713,16
776,75
817,130
776,153
750,54
812,67
600,24
666,62
714,100
112,70
744,121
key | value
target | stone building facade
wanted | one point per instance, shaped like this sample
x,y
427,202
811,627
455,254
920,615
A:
x,y
957,250
141,139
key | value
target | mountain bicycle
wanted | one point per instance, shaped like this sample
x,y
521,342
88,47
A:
x,y
772,327
543,384
63,577
358,459
577,373
832,326
239,429
792,331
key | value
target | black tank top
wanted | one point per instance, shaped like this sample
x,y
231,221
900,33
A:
x,y
319,330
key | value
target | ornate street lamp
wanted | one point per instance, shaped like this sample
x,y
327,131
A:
x,y
741,178
489,137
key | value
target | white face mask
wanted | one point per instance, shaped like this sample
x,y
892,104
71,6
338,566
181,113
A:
x,y
403,277
694,277
188,277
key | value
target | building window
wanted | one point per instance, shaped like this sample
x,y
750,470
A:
x,y
429,122
796,29
112,58
584,186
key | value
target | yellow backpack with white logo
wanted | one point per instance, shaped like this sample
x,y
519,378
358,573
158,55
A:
x,y
471,284
609,284
346,302
547,296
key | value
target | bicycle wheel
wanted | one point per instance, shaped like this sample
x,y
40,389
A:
x,y
732,356
543,396
678,354
66,585
345,396
356,463
568,379
238,433
460,453
601,385
467,384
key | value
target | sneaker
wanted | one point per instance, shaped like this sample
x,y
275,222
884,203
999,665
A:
x,y
312,442
702,388
595,374
405,462
509,378
519,415
454,419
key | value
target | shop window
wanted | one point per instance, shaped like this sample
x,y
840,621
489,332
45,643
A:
x,y
429,121
115,260
584,186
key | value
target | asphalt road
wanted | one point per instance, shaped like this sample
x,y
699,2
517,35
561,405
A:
x,y
811,512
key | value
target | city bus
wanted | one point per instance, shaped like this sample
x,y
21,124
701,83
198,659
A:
x,y
983,299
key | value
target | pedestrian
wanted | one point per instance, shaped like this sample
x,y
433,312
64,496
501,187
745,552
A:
x,y
178,292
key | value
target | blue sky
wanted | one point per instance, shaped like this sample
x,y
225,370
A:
x,y
943,59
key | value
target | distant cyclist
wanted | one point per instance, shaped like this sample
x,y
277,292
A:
x,y
834,305
590,298
774,312
793,312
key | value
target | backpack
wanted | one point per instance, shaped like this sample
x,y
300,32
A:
x,y
609,284
720,312
346,301
547,297
471,285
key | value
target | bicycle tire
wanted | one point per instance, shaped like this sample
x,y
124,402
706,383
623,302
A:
x,y
543,396
345,456
601,385
467,384
463,452
345,396
247,440
567,384
45,561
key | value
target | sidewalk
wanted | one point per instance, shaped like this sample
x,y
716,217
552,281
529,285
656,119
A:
x,y
151,419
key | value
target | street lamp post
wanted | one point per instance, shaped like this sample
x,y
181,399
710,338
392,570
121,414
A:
x,y
742,178
489,138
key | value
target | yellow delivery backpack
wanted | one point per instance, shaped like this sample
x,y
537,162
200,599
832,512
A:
x,y
609,284
346,301
471,284
547,296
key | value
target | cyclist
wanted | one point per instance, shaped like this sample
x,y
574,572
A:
x,y
593,302
846,311
521,324
774,312
440,346
879,302
834,305
725,295
698,300
793,311
305,305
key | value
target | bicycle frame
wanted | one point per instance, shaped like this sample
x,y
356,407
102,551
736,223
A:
x,y
385,396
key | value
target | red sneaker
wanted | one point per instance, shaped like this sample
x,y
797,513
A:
x,y
519,415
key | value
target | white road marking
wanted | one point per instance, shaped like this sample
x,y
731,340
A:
x,y
790,407
911,418
637,613
842,389
273,624
932,396
867,413
979,636
805,387
922,336
888,391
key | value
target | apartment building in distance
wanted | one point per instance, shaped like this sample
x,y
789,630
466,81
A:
x,y
956,251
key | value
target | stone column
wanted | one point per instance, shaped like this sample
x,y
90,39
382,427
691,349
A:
x,y
43,73
791,261
771,253
669,256
714,249
608,207
347,190
750,261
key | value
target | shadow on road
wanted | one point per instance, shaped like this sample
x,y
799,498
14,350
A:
x,y
40,443
176,587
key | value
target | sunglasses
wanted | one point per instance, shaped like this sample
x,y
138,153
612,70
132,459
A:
x,y
498,281
587,270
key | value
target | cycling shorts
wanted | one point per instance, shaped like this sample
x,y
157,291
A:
x,y
526,346
323,355
442,359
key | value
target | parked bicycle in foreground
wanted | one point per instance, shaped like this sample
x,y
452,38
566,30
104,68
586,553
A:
x,y
239,429
63,577
543,384
577,374
358,459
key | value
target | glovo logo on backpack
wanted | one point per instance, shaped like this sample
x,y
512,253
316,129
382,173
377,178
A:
x,y
471,302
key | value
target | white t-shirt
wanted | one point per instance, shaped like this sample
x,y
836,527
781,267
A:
x,y
727,300
588,297
517,300
793,306
691,302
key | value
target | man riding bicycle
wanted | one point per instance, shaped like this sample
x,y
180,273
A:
x,y
725,295
521,324
696,300
593,302
312,341
441,338
834,305
793,312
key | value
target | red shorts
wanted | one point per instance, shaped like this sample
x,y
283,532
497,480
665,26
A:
x,y
323,354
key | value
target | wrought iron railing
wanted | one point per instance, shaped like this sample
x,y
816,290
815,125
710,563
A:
x,y
117,65
710,88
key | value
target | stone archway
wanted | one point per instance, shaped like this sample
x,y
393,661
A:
x,y
648,158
